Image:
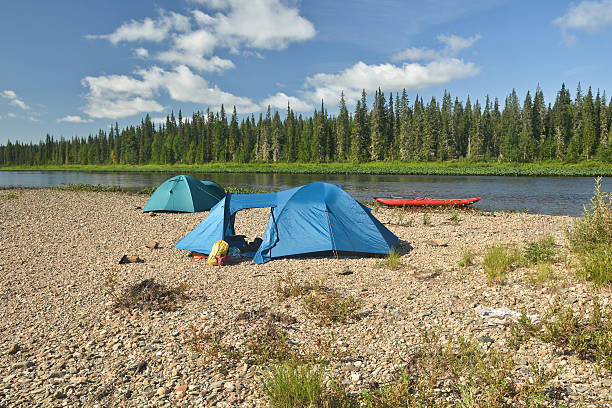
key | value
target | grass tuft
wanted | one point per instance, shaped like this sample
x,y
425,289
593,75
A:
x,y
292,384
10,196
393,260
499,260
540,251
467,258
331,307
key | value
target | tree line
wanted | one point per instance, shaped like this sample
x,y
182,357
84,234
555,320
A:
x,y
393,128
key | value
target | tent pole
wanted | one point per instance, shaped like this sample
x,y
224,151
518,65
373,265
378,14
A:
x,y
332,233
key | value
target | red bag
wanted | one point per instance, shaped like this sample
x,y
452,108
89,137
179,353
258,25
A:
x,y
224,260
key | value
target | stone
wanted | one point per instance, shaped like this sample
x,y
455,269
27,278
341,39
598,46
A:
x,y
485,339
355,377
78,380
130,259
152,245
162,391
13,349
59,395
228,386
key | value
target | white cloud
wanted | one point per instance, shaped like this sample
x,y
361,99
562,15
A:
x,y
453,45
11,115
33,119
159,120
14,100
280,100
74,119
148,29
588,16
412,76
117,96
237,24
262,24
190,49
141,53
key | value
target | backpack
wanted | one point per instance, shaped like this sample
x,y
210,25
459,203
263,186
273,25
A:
x,y
218,250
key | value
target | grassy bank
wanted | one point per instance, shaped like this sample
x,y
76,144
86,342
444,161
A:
x,y
550,168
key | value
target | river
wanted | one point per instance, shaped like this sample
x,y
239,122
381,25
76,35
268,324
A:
x,y
546,195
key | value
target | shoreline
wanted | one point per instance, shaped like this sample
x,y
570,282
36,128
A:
x,y
540,169
58,249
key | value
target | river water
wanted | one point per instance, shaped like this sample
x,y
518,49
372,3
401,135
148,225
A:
x,y
546,195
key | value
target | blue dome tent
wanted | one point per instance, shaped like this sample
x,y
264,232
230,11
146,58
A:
x,y
312,218
184,194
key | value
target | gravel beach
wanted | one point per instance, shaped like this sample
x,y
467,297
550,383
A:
x,y
63,343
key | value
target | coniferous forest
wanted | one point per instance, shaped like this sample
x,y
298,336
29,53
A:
x,y
393,128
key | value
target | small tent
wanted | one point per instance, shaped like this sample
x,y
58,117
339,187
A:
x,y
316,217
184,194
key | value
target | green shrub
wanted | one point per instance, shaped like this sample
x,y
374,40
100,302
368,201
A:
x,y
292,384
499,260
596,265
542,250
595,226
426,218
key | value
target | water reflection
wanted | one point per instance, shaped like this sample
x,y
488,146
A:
x,y
547,195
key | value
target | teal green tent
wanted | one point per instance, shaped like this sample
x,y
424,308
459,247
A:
x,y
184,194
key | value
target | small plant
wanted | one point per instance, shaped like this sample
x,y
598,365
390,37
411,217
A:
x,y
467,258
391,261
10,196
595,226
454,218
499,260
330,307
269,343
543,273
211,346
293,384
426,218
146,295
590,337
288,286
542,250
596,265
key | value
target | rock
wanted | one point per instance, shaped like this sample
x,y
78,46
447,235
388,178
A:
x,y
59,395
437,242
228,386
344,272
13,349
485,339
130,259
152,245
78,380
355,377
162,391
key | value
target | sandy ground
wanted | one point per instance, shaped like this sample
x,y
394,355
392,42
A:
x,y
62,342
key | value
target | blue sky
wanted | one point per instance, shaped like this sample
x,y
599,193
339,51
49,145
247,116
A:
x,y
69,68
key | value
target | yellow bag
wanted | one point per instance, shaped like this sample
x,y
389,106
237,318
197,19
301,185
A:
x,y
218,250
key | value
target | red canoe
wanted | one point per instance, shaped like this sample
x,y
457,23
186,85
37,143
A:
x,y
426,201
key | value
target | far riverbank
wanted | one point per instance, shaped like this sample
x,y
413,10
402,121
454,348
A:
x,y
458,168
